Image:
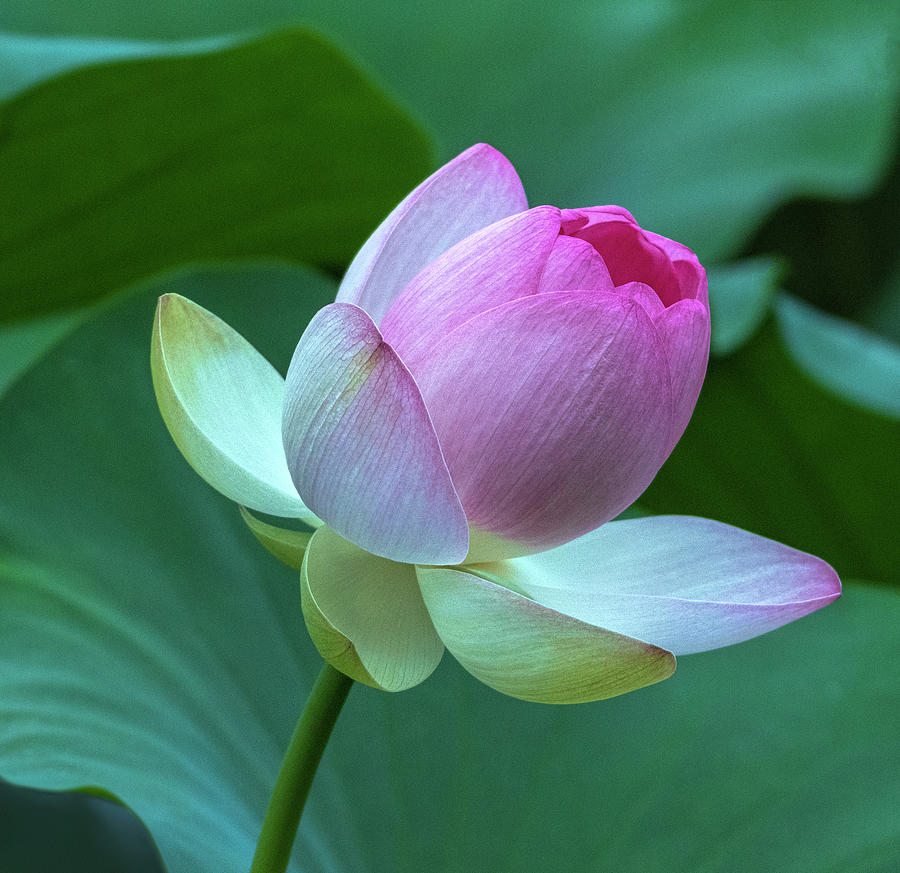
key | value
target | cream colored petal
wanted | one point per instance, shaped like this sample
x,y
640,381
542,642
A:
x,y
365,614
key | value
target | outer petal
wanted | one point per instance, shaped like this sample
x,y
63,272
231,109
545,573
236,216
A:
x,y
221,401
687,584
361,447
497,264
289,546
529,651
554,414
475,189
366,614
684,330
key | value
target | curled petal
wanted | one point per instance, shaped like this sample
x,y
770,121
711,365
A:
x,y
636,255
221,401
361,447
526,650
629,254
497,264
686,584
692,280
365,614
475,189
554,413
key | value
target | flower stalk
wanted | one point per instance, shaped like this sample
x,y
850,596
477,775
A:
x,y
273,850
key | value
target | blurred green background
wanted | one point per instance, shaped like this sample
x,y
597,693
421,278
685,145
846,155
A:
x,y
239,154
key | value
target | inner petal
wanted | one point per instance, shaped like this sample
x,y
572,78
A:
x,y
574,265
628,253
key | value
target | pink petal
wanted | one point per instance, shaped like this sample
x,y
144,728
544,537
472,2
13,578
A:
x,y
493,266
684,330
685,584
637,255
645,295
475,189
692,280
574,265
554,413
361,447
629,254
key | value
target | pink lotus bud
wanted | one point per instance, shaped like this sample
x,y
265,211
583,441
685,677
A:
x,y
560,354
493,384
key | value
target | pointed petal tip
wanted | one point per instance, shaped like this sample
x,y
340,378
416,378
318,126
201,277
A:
x,y
289,546
483,150
686,584
831,587
170,297
526,650
162,307
471,191
171,305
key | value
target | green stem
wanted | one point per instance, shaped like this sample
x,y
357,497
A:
x,y
273,850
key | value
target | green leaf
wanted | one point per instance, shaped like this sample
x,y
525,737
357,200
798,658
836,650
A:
x,y
841,252
149,645
699,117
856,364
83,831
770,450
740,295
277,147
28,58
883,313
23,342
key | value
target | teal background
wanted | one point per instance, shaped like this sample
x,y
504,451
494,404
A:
x,y
239,154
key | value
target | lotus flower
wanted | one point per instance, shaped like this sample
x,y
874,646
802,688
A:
x,y
493,385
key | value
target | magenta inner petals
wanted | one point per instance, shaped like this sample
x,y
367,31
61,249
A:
x,y
692,279
631,257
576,219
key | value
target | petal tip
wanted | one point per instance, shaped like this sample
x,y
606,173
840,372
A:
x,y
162,307
486,151
832,588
